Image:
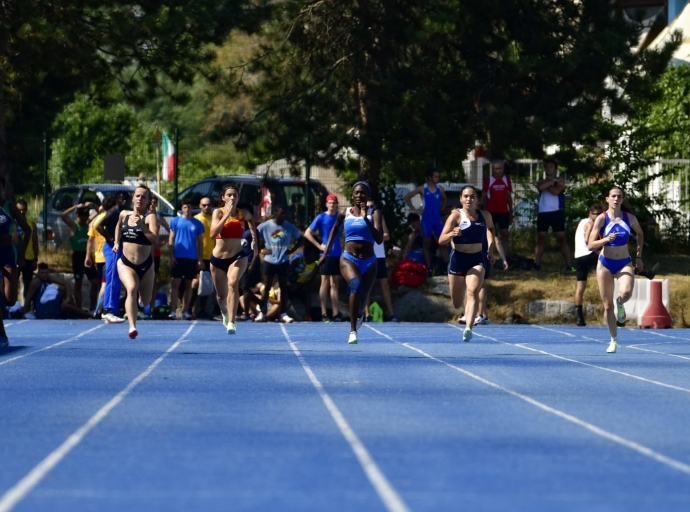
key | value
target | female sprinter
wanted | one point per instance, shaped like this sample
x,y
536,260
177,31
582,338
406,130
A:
x,y
229,258
468,229
610,233
137,231
358,261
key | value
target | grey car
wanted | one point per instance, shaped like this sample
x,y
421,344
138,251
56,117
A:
x,y
64,197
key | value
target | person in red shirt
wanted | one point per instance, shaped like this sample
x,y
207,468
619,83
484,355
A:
x,y
497,199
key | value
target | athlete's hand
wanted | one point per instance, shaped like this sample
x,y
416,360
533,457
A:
x,y
173,261
229,203
201,265
322,259
505,265
611,237
491,258
322,247
456,232
116,247
88,262
639,265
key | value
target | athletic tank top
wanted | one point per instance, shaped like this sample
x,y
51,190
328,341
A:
x,y
133,234
473,231
622,230
581,248
379,249
432,204
79,238
233,227
6,219
356,229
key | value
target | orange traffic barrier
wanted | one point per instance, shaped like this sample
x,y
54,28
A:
x,y
656,316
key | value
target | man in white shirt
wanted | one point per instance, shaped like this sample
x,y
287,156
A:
x,y
585,260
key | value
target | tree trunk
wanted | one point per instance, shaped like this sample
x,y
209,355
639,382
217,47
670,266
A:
x,y
4,165
371,140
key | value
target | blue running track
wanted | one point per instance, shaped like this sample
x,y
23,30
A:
x,y
533,418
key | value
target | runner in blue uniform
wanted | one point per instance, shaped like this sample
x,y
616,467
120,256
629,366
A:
x,y
358,262
434,198
470,232
610,233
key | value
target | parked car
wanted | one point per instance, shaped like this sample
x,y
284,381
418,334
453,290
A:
x,y
64,197
262,194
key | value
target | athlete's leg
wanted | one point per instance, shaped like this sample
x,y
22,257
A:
x,y
174,294
323,294
483,295
505,241
220,283
335,295
187,296
539,249
350,272
605,281
457,290
93,293
563,244
78,283
130,280
284,290
626,283
427,252
146,286
234,275
473,283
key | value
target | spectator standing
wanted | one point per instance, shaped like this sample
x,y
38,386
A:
x,y
205,216
497,195
278,235
585,258
79,237
551,214
153,210
330,270
434,202
186,251
381,268
106,228
95,246
31,257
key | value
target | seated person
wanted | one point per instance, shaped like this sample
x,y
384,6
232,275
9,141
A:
x,y
303,266
50,297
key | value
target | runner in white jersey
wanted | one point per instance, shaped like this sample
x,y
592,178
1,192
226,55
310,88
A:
x,y
585,259
381,270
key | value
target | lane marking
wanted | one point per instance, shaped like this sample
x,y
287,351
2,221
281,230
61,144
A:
x,y
5,361
34,477
627,443
552,330
389,496
16,323
637,347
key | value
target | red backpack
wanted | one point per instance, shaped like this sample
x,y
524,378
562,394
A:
x,y
409,273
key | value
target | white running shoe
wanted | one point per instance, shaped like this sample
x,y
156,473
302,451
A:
x,y
259,317
187,316
462,320
613,346
467,334
226,319
352,340
620,312
286,319
172,316
133,333
480,320
232,329
109,318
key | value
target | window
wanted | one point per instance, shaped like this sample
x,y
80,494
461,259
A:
x,y
65,198
90,196
196,192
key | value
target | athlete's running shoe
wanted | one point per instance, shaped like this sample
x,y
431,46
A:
x,y
133,333
467,334
286,319
462,320
480,320
352,340
570,268
337,318
226,319
109,318
581,322
325,319
620,312
188,316
259,317
613,346
231,328
4,342
172,316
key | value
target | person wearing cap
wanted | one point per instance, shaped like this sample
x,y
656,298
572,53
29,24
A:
x,y
79,236
330,270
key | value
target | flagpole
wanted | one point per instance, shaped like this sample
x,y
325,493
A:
x,y
176,167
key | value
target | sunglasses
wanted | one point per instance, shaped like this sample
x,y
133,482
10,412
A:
x,y
205,205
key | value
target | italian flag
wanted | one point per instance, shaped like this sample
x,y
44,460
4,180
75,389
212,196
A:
x,y
168,152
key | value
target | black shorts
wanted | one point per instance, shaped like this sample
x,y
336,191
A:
x,y
460,262
331,267
381,268
156,264
26,272
554,220
280,270
501,220
252,276
100,271
185,269
584,264
79,269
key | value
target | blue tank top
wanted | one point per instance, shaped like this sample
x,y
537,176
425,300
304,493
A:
x,y
356,229
6,219
475,233
432,204
622,230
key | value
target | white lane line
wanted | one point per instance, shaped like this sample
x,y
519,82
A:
x,y
389,496
16,323
667,336
637,347
33,478
5,361
632,445
552,330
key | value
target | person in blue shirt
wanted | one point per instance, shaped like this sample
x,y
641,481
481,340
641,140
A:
x,y
186,256
358,262
330,271
277,235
